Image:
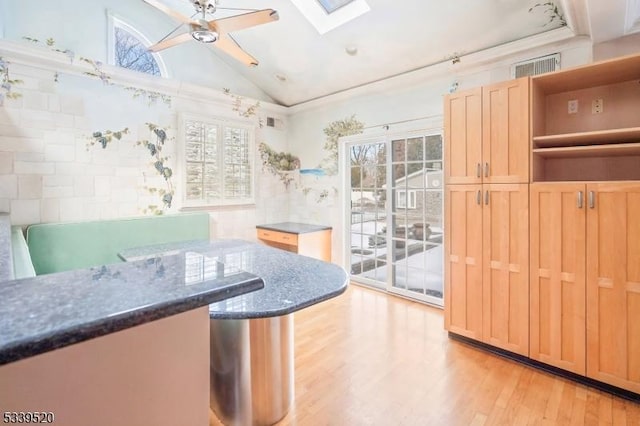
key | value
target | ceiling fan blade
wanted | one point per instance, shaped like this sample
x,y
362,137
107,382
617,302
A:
x,y
175,15
246,20
231,48
170,42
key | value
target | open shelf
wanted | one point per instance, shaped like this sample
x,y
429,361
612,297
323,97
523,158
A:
x,y
613,136
612,150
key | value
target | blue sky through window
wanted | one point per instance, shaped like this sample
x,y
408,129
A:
x,y
332,5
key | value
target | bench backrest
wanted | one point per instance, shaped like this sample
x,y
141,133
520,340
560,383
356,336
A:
x,y
56,247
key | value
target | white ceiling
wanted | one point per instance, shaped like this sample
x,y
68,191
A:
x,y
395,37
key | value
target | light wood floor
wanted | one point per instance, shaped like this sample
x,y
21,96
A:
x,y
365,358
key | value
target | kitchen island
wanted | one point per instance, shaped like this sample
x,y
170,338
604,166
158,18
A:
x,y
252,334
122,344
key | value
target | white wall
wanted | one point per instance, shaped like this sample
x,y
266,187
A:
x,y
412,96
619,47
47,174
81,26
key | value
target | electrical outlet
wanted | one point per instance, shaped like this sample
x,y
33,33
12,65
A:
x,y
597,106
572,106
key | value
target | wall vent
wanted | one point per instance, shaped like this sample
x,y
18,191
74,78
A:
x,y
536,66
275,123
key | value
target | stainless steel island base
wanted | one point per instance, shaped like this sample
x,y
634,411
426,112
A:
x,y
251,369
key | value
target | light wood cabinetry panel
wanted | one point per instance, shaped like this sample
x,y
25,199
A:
x,y
505,132
557,296
613,284
505,282
315,244
598,139
463,260
463,133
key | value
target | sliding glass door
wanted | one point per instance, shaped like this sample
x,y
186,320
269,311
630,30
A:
x,y
396,202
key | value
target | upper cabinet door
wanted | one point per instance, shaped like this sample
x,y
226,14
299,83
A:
x,y
613,284
463,137
505,140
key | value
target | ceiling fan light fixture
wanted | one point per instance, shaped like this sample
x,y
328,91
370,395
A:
x,y
205,36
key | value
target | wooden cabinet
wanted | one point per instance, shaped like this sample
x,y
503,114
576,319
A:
x,y
557,299
585,122
463,135
487,134
505,279
613,284
486,214
585,279
463,260
307,240
505,132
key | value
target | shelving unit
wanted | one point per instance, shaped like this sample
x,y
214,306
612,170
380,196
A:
x,y
592,142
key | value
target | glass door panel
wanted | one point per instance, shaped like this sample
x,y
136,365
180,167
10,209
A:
x,y
367,255
396,223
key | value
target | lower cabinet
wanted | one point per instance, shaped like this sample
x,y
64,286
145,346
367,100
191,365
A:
x,y
613,284
585,279
557,298
487,264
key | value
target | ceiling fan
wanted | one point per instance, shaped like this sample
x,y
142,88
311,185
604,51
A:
x,y
215,31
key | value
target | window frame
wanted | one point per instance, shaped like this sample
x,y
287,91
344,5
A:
x,y
222,123
113,21
410,201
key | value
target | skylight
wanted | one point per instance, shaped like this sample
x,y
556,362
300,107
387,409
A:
x,y
326,15
332,5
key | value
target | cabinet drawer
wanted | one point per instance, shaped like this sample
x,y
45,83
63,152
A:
x,y
278,237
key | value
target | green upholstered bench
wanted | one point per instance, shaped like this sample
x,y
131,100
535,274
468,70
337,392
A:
x,y
56,247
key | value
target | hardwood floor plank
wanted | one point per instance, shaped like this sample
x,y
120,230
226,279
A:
x,y
367,358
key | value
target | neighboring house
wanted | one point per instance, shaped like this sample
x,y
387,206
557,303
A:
x,y
420,196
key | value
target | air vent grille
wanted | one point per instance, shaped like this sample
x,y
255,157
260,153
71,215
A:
x,y
536,66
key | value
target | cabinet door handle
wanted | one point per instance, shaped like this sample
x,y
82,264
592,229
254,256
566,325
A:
x,y
486,169
479,197
580,199
479,170
592,200
486,198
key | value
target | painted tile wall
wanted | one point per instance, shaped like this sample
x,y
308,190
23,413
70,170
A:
x,y
48,174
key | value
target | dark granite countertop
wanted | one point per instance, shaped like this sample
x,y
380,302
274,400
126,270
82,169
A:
x,y
6,258
51,311
293,227
291,282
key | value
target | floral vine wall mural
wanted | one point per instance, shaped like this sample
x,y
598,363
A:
x,y
151,97
552,11
281,164
334,131
158,161
7,83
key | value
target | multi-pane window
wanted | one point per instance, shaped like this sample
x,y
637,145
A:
x,y
130,53
403,202
218,163
128,48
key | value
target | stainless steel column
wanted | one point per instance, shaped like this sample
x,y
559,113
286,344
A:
x,y
251,370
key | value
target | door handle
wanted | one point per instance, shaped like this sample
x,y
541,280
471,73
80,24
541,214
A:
x,y
479,171
479,197
486,198
580,199
486,169
592,200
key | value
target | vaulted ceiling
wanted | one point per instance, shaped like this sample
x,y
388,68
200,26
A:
x,y
395,37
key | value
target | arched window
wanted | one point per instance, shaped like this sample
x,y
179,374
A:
x,y
128,49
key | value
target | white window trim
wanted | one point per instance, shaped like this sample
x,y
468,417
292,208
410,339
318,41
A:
x,y
410,199
181,157
114,20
